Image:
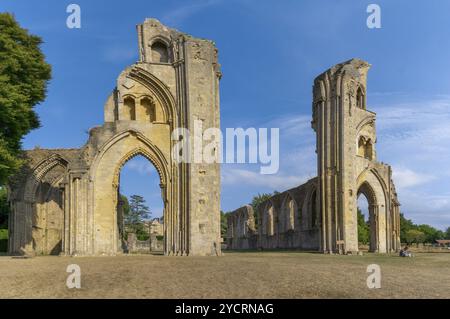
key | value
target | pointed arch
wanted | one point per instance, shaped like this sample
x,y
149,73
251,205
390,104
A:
x,y
289,212
38,173
160,91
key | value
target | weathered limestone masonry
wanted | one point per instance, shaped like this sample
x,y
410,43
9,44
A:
x,y
65,201
322,214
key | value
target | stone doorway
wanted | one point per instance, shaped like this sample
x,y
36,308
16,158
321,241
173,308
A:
x,y
140,208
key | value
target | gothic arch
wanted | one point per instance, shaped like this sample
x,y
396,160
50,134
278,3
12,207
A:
x,y
159,43
159,90
25,204
312,208
154,155
372,186
105,172
361,97
38,173
268,219
289,209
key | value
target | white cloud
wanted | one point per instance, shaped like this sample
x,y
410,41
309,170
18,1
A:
x,y
279,182
414,137
141,166
297,158
405,178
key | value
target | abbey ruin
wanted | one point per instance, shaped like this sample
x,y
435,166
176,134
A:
x,y
65,201
321,214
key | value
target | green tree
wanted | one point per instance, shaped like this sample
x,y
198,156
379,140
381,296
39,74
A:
x,y
415,236
223,224
363,228
4,208
24,75
138,213
431,233
125,205
405,226
447,233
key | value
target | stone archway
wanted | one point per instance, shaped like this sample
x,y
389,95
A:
x,y
366,190
163,194
105,175
151,101
370,185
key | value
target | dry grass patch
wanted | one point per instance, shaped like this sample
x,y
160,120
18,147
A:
x,y
235,275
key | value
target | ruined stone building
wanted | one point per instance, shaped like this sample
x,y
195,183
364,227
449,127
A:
x,y
322,213
64,201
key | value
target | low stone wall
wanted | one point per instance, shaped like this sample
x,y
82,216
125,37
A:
x,y
153,244
241,229
287,220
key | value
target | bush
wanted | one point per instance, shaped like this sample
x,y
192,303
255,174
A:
x,y
3,240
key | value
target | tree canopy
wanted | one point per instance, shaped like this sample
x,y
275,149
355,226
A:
x,y
4,209
223,223
138,212
363,228
412,233
24,75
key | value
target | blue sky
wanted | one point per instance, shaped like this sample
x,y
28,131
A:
x,y
270,52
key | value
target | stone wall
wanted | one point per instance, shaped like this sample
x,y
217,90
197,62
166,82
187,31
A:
x,y
288,220
241,231
151,245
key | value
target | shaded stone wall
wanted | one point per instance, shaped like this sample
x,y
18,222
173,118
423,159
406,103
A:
x,y
287,220
151,245
241,231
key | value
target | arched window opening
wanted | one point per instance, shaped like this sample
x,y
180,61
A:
x,y
130,108
160,52
360,100
366,221
365,147
270,222
289,214
363,222
148,107
140,208
368,150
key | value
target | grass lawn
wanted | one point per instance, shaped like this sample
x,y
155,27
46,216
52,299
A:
x,y
234,275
